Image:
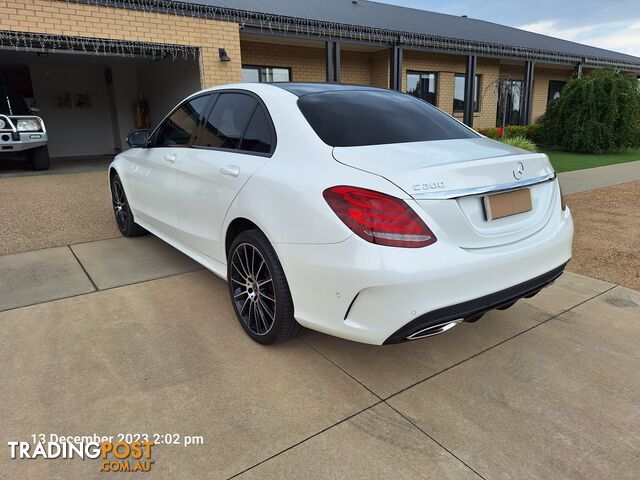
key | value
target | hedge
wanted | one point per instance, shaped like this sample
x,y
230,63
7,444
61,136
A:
x,y
597,113
530,132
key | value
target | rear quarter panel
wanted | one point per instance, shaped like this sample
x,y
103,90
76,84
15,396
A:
x,y
284,198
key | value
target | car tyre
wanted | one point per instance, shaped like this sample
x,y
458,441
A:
x,y
259,291
122,212
40,158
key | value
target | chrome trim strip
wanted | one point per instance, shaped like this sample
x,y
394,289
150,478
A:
x,y
468,192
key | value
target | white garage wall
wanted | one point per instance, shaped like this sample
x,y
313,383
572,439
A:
x,y
165,83
74,131
126,88
92,131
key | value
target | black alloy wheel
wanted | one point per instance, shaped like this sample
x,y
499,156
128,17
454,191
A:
x,y
259,290
122,212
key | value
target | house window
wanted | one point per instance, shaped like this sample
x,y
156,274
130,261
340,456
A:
x,y
555,86
458,93
253,74
509,102
422,85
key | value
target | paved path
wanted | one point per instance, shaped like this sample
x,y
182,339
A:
x,y
143,340
129,335
59,166
599,177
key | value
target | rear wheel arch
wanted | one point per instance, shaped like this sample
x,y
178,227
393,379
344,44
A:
x,y
235,228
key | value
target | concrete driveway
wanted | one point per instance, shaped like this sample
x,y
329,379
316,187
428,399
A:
x,y
129,336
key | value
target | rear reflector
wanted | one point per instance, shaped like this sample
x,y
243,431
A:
x,y
379,218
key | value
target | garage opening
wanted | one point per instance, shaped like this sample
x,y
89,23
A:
x,y
90,100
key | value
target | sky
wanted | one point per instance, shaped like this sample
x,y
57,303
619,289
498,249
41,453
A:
x,y
610,24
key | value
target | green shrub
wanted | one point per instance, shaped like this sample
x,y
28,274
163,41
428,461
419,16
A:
x,y
598,113
532,132
491,132
515,131
520,142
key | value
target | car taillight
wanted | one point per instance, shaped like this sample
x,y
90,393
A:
x,y
379,218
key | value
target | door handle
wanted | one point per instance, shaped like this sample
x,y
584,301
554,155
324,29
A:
x,y
231,171
170,157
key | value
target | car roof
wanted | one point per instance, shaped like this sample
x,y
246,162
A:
x,y
301,89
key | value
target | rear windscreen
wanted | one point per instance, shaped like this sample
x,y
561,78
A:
x,y
353,118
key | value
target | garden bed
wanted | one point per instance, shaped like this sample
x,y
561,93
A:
x,y
607,234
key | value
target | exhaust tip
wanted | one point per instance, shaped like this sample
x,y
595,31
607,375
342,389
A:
x,y
434,329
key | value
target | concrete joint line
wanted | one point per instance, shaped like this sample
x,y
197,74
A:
x,y
95,287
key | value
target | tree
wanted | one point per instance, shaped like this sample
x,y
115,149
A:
x,y
595,114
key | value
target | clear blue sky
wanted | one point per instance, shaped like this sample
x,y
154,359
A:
x,y
611,24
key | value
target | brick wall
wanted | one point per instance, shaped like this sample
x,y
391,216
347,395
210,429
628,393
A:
x,y
380,68
447,66
355,67
64,18
307,64
542,76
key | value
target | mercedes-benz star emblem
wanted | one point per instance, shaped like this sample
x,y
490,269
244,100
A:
x,y
518,170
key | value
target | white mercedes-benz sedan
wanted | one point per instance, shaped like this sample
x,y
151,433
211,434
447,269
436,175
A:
x,y
358,212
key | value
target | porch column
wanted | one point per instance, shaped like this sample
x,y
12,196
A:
x,y
332,52
527,95
470,77
395,60
578,71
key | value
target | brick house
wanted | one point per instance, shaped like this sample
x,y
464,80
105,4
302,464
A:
x,y
99,68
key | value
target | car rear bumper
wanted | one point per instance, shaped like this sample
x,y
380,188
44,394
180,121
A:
x,y
472,310
374,294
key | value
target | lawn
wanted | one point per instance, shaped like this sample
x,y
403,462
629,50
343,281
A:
x,y
566,161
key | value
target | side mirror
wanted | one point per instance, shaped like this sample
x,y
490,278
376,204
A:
x,y
138,138
34,108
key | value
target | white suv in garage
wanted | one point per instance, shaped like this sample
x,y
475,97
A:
x,y
21,132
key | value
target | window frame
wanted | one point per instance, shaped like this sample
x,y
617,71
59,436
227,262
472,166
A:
x,y
520,89
421,73
259,67
549,99
261,103
477,102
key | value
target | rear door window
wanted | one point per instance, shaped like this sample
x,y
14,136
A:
x,y
349,118
258,138
182,124
227,121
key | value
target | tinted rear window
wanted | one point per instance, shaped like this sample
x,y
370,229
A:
x,y
355,118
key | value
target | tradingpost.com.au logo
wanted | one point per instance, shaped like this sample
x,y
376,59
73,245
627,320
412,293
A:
x,y
115,456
